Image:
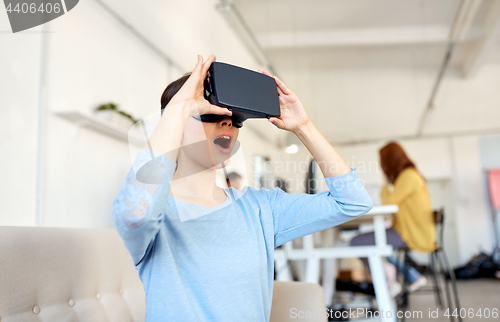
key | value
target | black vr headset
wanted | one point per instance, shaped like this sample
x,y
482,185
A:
x,y
246,93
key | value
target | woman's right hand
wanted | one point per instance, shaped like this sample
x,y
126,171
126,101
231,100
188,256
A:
x,y
192,91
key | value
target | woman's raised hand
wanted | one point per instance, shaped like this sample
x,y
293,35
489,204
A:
x,y
192,91
293,115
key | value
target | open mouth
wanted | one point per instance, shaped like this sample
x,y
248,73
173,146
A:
x,y
223,141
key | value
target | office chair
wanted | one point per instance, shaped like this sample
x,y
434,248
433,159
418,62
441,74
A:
x,y
438,265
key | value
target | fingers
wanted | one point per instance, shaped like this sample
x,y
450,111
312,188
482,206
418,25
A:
x,y
199,64
277,122
280,92
265,72
282,89
202,67
214,109
283,100
282,86
207,64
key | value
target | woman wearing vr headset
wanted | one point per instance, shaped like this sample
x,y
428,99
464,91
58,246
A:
x,y
205,253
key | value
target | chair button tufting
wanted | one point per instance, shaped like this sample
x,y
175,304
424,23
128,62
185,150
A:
x,y
36,309
121,291
98,296
71,302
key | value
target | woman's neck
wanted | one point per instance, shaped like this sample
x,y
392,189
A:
x,y
195,184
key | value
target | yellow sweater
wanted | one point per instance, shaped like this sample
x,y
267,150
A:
x,y
414,221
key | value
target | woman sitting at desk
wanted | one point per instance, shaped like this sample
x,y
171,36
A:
x,y
413,225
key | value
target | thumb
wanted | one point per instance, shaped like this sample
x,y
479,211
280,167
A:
x,y
277,122
220,110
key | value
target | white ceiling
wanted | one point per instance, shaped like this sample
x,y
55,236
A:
x,y
285,15
364,69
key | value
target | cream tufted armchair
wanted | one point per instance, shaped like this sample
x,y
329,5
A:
x,y
61,274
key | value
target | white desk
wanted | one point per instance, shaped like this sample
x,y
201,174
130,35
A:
x,y
374,254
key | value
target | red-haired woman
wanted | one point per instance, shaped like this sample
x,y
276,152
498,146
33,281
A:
x,y
413,225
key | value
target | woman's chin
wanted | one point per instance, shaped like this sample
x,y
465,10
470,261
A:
x,y
220,157
221,164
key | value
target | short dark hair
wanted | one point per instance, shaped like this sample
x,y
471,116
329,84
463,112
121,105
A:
x,y
172,89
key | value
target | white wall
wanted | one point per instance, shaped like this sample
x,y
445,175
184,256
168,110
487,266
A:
x,y
19,95
473,220
90,64
490,151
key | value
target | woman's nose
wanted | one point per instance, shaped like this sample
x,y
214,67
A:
x,y
226,122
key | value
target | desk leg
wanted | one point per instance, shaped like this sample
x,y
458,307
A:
x,y
312,269
330,265
329,274
312,266
379,231
382,293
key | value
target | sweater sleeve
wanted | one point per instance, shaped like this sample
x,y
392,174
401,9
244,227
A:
x,y
297,215
140,204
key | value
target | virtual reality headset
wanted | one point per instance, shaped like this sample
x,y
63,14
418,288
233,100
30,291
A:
x,y
246,93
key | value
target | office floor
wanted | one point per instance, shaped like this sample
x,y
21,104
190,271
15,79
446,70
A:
x,y
473,294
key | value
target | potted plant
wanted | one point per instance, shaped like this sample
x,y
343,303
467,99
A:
x,y
110,113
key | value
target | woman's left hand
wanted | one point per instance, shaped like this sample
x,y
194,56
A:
x,y
293,115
